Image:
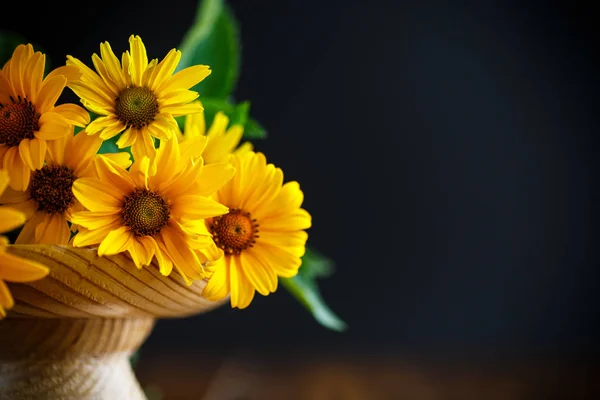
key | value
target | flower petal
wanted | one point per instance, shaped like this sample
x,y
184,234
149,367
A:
x,y
82,150
19,172
139,59
37,149
218,284
53,126
73,113
27,233
6,300
178,110
265,190
52,229
95,195
10,218
214,176
181,254
284,263
164,69
16,269
292,242
143,145
113,67
242,291
4,178
50,92
141,251
90,237
95,219
139,172
261,276
70,72
34,70
288,200
196,207
186,78
297,220
116,242
165,265
25,154
112,173
110,84
96,95
179,96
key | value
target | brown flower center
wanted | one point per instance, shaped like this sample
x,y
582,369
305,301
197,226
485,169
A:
x,y
145,212
18,121
136,106
235,231
51,189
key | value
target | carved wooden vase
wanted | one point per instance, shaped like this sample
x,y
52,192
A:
x,y
70,335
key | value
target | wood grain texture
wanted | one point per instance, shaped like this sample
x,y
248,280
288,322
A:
x,y
83,285
70,334
84,359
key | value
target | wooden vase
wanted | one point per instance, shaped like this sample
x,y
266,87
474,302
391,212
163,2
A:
x,y
70,335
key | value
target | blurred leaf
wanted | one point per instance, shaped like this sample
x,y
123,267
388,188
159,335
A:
x,y
304,287
134,358
213,40
254,130
180,122
239,116
212,106
315,265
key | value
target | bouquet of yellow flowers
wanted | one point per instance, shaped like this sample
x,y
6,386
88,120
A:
x,y
144,201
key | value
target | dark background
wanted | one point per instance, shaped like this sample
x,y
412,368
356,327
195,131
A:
x,y
447,154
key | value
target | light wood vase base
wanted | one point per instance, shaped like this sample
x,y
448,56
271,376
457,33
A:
x,y
70,335
70,358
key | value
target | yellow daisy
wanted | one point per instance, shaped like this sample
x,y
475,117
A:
x,y
156,209
263,234
28,118
221,140
12,268
49,201
136,97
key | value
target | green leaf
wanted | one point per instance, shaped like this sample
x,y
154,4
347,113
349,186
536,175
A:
x,y
254,130
134,358
239,116
304,287
315,265
213,40
110,146
212,106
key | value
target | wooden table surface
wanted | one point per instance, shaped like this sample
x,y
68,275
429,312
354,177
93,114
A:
x,y
361,378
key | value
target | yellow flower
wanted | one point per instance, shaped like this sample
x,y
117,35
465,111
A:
x,y
136,97
28,118
49,201
263,234
221,141
12,268
156,209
